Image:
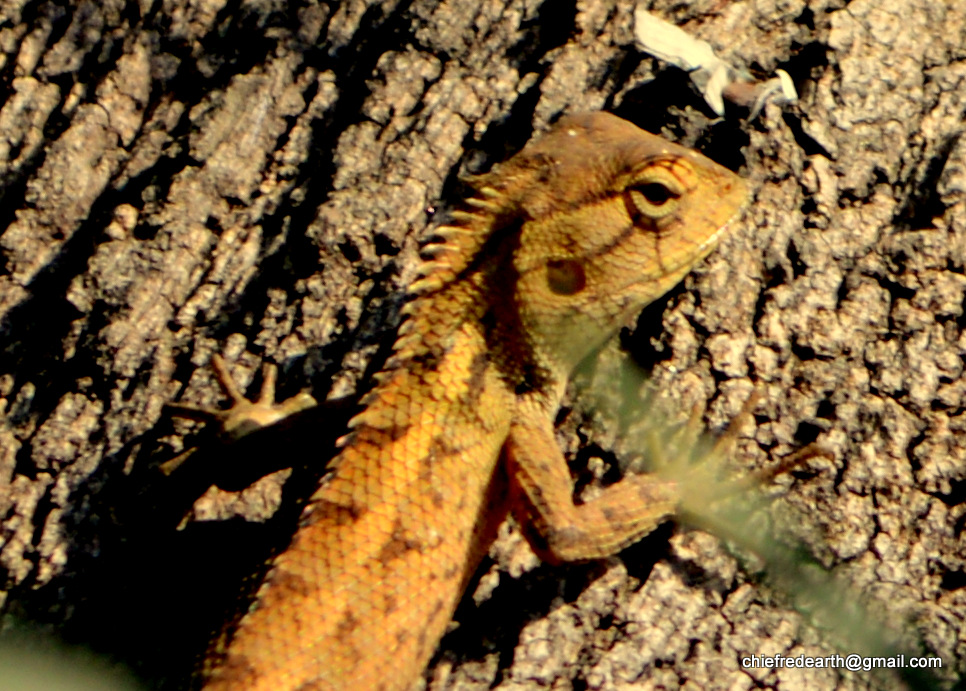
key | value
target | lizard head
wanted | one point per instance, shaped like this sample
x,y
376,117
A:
x,y
610,217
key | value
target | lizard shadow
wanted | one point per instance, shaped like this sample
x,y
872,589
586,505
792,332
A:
x,y
153,591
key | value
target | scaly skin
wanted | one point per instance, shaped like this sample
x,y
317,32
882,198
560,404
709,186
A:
x,y
562,244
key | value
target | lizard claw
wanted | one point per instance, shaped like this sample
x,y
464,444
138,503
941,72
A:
x,y
691,459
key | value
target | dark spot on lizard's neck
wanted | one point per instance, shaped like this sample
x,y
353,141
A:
x,y
476,383
509,350
533,379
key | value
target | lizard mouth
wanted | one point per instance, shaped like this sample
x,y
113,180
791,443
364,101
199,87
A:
x,y
712,241
704,248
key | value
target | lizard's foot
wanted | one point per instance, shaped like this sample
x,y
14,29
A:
x,y
244,416
698,464
710,496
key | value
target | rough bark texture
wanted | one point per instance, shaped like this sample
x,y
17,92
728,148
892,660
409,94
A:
x,y
182,178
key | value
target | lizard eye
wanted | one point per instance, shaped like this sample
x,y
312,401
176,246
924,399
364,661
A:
x,y
653,197
656,194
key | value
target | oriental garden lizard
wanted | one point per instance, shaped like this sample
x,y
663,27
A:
x,y
557,249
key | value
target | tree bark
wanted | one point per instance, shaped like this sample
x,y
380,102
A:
x,y
186,178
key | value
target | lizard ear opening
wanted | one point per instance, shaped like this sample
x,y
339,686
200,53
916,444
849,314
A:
x,y
566,276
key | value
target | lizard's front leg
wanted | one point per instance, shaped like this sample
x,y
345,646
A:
x,y
558,529
243,427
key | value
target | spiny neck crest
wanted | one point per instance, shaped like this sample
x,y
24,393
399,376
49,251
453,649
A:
x,y
451,248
